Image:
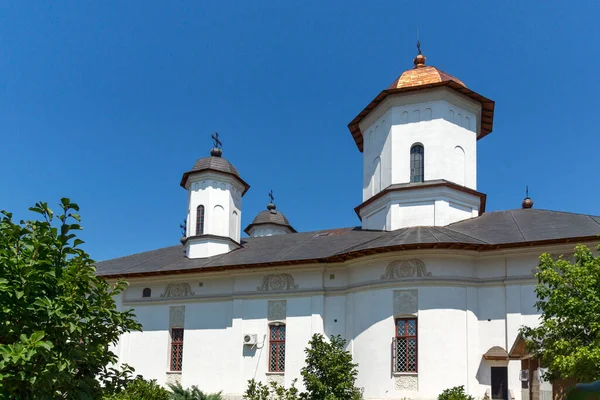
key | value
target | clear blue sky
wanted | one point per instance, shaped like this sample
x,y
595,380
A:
x,y
109,102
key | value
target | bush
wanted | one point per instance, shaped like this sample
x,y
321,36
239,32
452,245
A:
x,y
273,391
455,393
193,393
141,389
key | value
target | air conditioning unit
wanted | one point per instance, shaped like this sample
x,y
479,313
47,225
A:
x,y
250,339
524,375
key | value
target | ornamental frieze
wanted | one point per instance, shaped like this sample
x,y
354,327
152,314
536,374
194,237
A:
x,y
277,282
405,269
177,290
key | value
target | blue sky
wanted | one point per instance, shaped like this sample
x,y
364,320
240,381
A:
x,y
109,102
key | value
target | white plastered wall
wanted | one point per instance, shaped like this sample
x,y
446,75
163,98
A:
x,y
467,303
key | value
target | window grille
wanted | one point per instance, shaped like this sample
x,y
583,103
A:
x,y
404,346
277,348
417,168
176,349
200,220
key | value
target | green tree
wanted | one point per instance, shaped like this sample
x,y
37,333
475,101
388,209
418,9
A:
x,y
568,337
329,373
141,389
193,393
58,320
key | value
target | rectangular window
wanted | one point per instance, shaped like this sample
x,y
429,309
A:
x,y
277,348
176,349
404,349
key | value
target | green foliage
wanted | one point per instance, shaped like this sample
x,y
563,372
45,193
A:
x,y
273,391
568,337
455,393
141,389
193,393
329,374
57,319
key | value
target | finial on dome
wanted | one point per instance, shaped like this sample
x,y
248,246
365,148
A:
x,y
527,203
271,206
420,58
216,150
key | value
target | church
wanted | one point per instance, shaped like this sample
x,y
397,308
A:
x,y
429,291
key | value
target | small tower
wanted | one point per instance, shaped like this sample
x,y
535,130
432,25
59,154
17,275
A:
x,y
419,143
269,222
215,192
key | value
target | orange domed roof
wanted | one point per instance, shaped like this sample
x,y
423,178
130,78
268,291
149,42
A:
x,y
422,74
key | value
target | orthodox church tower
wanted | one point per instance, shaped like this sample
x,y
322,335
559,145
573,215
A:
x,y
215,191
419,143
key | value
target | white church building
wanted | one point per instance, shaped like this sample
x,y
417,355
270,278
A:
x,y
429,291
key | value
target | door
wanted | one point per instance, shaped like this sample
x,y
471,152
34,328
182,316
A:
x,y
500,383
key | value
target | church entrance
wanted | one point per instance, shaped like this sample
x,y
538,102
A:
x,y
500,383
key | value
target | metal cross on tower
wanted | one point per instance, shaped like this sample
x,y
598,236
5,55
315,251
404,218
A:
x,y
216,141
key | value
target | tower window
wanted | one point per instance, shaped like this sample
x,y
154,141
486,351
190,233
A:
x,y
417,158
200,220
147,292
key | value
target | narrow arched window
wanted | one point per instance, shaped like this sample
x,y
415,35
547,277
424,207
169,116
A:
x,y
200,220
147,292
417,159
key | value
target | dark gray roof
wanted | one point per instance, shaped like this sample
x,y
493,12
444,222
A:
x,y
513,228
218,164
274,217
215,164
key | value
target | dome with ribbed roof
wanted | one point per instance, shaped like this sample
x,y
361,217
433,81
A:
x,y
270,216
214,163
421,75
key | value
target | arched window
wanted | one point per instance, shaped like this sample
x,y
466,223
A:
x,y
417,158
147,292
200,220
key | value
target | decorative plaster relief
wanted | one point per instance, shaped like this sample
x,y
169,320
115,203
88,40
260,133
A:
x,y
277,378
406,302
404,269
277,282
406,383
176,316
173,378
177,290
277,310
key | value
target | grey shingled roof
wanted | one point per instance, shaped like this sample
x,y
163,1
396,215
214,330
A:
x,y
274,217
511,228
215,164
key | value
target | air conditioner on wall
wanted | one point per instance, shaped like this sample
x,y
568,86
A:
x,y
250,339
524,375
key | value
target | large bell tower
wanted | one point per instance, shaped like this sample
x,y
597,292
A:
x,y
419,143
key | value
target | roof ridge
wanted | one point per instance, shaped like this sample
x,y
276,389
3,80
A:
x,y
464,234
349,249
517,225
